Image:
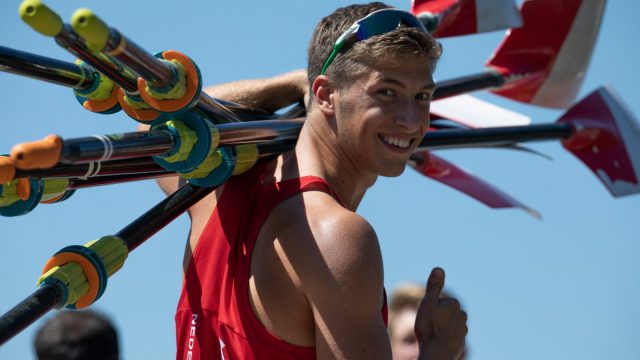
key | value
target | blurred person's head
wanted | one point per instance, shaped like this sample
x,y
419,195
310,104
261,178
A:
x,y
77,335
403,309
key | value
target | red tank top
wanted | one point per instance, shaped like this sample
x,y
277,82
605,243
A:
x,y
214,318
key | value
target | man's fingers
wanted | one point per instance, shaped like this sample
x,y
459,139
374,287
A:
x,y
435,284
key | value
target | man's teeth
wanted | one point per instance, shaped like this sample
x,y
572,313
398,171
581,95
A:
x,y
397,142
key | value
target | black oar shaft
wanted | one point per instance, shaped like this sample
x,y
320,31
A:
x,y
87,170
45,68
495,136
113,147
29,310
465,84
162,214
259,132
76,184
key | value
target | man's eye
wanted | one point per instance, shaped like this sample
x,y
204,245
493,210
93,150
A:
x,y
388,92
423,96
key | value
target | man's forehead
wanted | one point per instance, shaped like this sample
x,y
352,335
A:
x,y
402,76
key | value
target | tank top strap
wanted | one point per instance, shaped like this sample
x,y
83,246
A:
x,y
290,187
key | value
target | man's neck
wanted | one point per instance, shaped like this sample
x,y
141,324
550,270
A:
x,y
318,153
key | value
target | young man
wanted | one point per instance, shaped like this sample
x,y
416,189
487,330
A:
x,y
278,264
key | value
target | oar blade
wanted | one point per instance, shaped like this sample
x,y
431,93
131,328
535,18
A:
x,y
472,112
607,140
463,17
449,174
545,60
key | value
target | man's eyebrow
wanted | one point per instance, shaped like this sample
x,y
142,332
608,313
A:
x,y
428,86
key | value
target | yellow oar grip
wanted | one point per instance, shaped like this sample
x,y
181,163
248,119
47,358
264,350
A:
x,y
91,28
40,17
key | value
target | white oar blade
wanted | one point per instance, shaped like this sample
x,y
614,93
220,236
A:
x,y
463,17
607,140
475,113
449,174
544,61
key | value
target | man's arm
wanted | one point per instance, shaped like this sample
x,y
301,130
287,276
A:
x,y
344,289
270,94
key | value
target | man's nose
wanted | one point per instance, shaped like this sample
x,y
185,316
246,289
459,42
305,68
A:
x,y
410,116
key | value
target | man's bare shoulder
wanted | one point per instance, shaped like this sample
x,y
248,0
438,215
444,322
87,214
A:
x,y
328,237
318,214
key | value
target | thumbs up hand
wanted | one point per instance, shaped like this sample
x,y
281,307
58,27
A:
x,y
441,325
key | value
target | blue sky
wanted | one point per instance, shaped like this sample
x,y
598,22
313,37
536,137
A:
x,y
565,287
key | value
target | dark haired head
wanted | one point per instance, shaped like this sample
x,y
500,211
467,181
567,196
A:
x,y
364,55
77,335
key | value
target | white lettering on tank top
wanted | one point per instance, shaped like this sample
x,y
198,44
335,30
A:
x,y
221,347
192,336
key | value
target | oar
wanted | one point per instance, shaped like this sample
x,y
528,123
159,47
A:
x,y
52,150
163,85
47,69
23,190
599,130
44,20
103,258
543,62
92,169
75,184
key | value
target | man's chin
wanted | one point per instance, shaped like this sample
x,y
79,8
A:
x,y
394,171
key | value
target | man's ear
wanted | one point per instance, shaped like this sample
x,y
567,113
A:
x,y
322,95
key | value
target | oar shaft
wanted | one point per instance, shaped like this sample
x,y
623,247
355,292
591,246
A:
x,y
49,296
113,147
87,170
495,136
465,84
122,49
213,110
259,132
159,74
45,68
162,214
29,310
76,184
69,40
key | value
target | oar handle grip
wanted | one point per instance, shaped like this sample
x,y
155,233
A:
x,y
7,169
41,154
40,17
91,28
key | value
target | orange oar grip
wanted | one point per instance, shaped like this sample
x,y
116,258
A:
x,y
23,187
7,170
41,154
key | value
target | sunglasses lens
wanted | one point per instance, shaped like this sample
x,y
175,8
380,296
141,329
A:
x,y
377,25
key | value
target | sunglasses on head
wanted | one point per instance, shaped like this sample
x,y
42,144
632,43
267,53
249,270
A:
x,y
377,23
